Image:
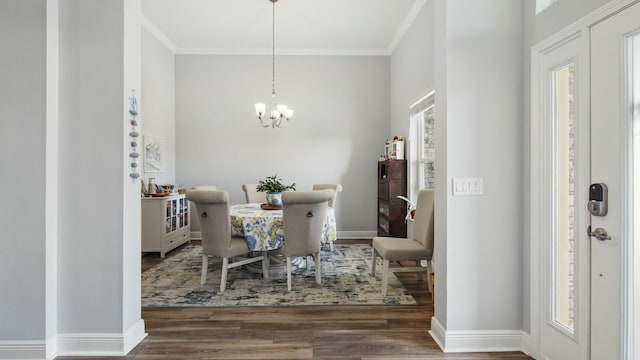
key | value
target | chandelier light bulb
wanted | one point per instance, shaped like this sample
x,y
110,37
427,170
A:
x,y
288,114
260,109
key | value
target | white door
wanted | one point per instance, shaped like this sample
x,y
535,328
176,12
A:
x,y
615,102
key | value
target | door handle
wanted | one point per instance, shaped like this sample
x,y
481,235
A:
x,y
599,233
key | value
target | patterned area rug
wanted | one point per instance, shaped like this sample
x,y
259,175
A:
x,y
346,280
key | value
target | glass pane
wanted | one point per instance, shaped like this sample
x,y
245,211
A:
x,y
428,175
428,135
563,282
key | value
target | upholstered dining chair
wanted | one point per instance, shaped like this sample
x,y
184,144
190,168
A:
x,y
420,247
212,207
204,187
304,213
252,195
336,189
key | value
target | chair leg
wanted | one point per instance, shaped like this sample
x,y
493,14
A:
x,y
385,276
318,271
265,264
223,279
205,269
288,273
373,262
419,273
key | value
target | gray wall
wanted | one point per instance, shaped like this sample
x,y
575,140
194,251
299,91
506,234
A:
x,y
22,159
157,104
478,127
335,136
64,140
99,245
412,68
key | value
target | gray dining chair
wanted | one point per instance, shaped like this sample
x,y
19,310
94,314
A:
x,y
304,213
212,207
204,187
336,189
418,248
252,195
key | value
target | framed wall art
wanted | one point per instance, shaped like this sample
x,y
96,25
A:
x,y
153,154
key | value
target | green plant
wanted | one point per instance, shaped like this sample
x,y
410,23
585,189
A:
x,y
274,184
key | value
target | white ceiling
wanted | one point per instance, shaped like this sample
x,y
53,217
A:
x,y
347,27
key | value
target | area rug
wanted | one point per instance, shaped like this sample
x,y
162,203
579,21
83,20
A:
x,y
346,280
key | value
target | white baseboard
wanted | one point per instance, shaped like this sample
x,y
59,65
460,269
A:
x,y
197,235
52,347
22,349
437,332
454,341
527,346
134,335
101,344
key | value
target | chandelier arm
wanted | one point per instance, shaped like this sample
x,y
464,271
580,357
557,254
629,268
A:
x,y
263,124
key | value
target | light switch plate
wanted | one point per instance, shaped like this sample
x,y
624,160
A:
x,y
467,186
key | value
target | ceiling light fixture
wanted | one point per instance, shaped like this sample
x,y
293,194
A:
x,y
278,112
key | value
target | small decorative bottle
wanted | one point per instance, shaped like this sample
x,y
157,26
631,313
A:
x,y
152,185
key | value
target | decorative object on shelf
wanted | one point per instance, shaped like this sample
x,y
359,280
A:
x,y
152,186
153,154
143,188
393,149
278,112
397,148
274,187
134,155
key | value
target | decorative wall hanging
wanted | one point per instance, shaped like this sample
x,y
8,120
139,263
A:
x,y
134,155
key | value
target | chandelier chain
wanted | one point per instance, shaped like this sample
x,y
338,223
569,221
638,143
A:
x,y
273,49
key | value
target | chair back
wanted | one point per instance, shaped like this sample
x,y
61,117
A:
x,y
204,187
335,187
252,195
423,220
212,207
304,214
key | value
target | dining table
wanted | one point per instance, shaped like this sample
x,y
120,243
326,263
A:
x,y
263,229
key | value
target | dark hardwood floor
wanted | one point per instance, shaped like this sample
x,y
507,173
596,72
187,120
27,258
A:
x,y
297,332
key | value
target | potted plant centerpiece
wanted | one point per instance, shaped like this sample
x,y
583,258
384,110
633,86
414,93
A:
x,y
274,187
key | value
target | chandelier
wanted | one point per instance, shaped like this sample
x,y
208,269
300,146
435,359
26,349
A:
x,y
279,112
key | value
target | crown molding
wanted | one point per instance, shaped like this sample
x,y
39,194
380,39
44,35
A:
x,y
400,33
158,34
406,24
284,51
